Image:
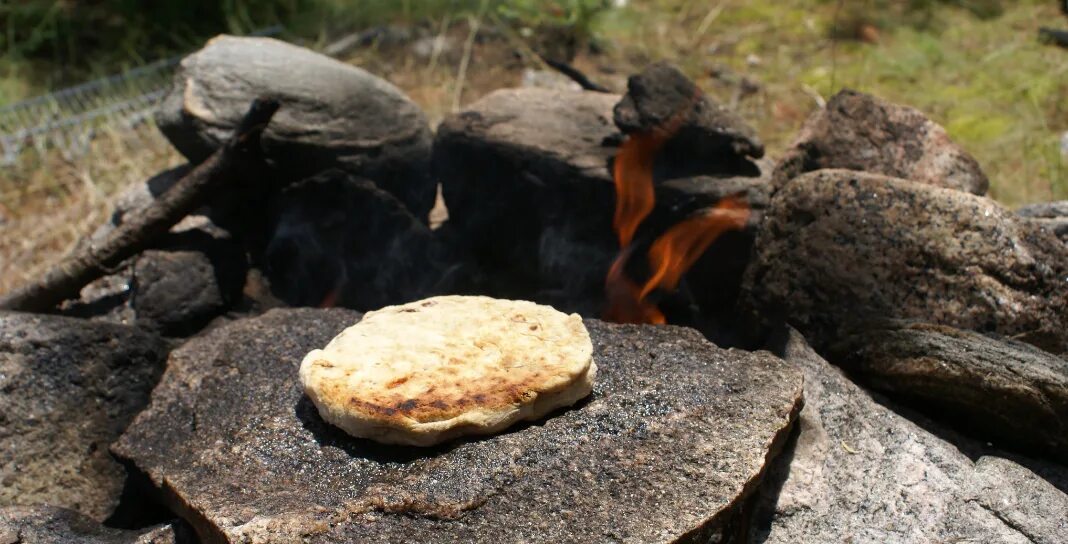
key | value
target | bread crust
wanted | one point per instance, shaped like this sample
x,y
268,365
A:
x,y
428,371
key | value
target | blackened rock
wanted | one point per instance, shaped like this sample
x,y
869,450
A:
x,y
709,139
839,247
193,274
858,131
1049,215
333,115
68,388
674,437
338,240
525,175
714,281
857,468
1001,389
177,292
51,525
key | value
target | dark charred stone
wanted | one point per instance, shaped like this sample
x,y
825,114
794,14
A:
x,y
715,280
855,467
193,274
1052,216
525,176
1000,389
858,131
68,388
51,525
333,115
338,240
673,438
178,291
709,139
527,181
839,247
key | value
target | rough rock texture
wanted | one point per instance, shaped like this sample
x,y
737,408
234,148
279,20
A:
x,y
525,176
705,133
194,274
858,131
178,292
1049,215
51,525
674,435
1004,389
858,472
68,388
337,240
332,115
838,247
1021,499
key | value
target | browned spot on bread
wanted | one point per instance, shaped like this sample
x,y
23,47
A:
x,y
372,407
324,364
398,381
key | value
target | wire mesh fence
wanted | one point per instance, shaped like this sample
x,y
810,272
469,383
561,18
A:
x,y
68,119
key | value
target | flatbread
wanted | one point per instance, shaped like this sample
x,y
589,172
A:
x,y
428,371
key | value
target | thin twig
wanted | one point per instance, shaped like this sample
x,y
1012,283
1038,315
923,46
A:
x,y
439,44
834,46
461,76
574,74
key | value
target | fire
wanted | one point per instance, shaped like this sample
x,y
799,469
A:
x,y
633,173
675,251
626,303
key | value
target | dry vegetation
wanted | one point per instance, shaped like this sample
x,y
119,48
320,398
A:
x,y
998,91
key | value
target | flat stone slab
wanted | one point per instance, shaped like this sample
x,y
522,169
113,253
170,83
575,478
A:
x,y
859,472
675,435
68,388
52,525
1002,389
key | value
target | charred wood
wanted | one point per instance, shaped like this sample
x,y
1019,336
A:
x,y
67,278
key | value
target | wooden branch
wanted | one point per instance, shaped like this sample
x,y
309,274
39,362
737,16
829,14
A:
x,y
66,279
574,74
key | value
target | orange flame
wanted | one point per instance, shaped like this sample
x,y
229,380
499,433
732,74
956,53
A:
x,y
675,251
633,174
626,304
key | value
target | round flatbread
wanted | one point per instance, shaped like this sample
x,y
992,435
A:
x,y
424,372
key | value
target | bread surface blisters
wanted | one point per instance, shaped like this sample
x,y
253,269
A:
x,y
428,371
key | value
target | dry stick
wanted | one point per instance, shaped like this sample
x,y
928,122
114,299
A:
x,y
574,74
461,77
66,279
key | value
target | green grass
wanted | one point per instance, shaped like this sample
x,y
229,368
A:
x,y
978,71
